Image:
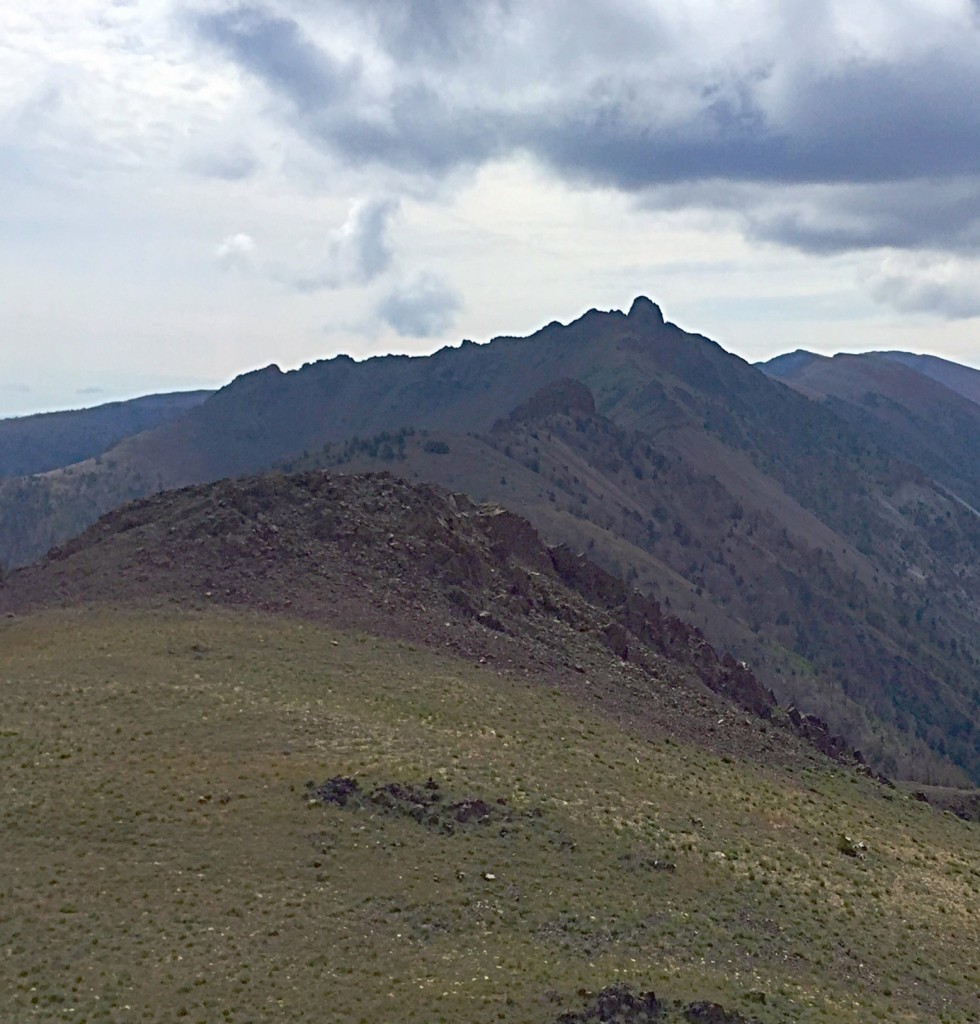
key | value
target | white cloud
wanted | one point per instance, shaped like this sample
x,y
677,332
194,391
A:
x,y
236,252
929,283
356,253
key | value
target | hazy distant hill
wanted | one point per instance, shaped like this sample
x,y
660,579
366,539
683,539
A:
x,y
46,441
913,416
962,379
782,526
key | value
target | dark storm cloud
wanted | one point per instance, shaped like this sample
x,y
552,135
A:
x,y
420,133
633,96
438,30
929,213
423,308
867,124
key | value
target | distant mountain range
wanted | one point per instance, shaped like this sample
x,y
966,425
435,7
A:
x,y
916,408
962,379
825,532
46,441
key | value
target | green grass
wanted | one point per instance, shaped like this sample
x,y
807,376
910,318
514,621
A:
x,y
161,861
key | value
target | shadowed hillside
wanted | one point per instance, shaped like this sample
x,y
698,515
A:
x,y
825,624
46,441
910,415
965,380
645,374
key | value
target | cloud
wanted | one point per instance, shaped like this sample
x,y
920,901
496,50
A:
x,y
921,214
227,163
423,308
357,252
278,51
236,252
923,284
801,109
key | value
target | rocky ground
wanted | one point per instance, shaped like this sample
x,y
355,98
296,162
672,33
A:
x,y
415,562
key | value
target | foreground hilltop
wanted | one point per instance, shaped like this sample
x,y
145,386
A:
x,y
295,742
420,564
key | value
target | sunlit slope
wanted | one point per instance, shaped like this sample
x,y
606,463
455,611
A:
x,y
163,859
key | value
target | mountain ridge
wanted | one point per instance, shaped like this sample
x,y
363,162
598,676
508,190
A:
x,y
416,563
913,416
47,441
793,535
965,380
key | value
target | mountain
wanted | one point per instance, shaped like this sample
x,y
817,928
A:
x,y
962,379
306,745
47,441
796,540
722,546
912,416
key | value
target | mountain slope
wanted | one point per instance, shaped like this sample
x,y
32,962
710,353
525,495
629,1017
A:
x,y
646,375
289,742
230,815
845,574
962,379
46,441
377,553
912,416
701,528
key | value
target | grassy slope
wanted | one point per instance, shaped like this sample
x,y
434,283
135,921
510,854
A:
x,y
798,602
161,861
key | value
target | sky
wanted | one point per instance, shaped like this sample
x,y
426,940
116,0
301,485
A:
x,y
190,190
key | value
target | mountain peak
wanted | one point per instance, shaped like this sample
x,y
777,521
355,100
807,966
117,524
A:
x,y
790,363
645,309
